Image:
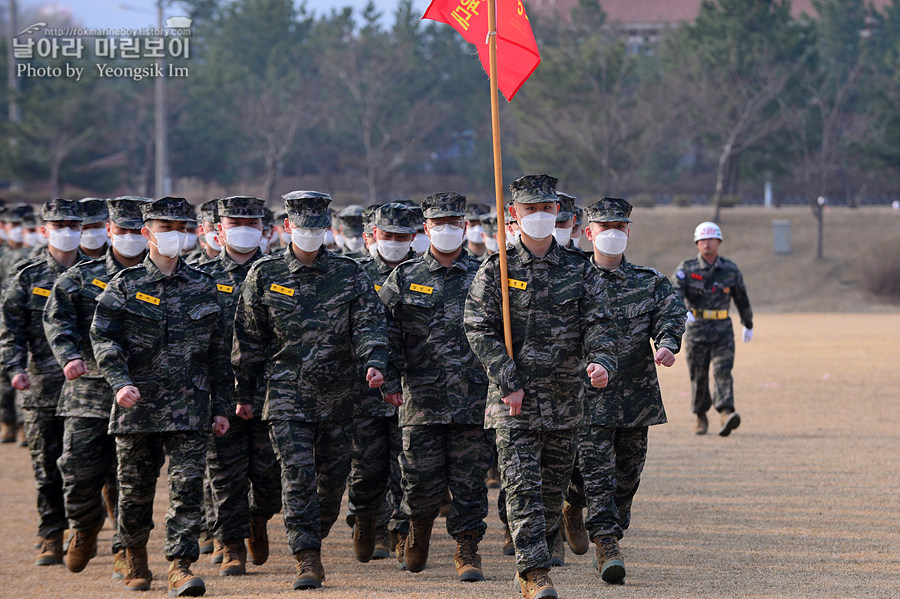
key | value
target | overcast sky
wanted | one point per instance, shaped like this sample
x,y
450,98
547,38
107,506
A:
x,y
142,13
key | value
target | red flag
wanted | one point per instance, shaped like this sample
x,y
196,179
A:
x,y
517,52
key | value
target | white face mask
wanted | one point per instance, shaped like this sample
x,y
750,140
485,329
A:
x,y
354,244
94,239
243,239
34,239
491,244
264,244
17,234
420,243
65,240
611,242
446,238
190,242
329,237
169,243
373,249
307,240
562,235
3,235
473,234
393,251
339,240
211,241
539,225
285,238
512,237
129,244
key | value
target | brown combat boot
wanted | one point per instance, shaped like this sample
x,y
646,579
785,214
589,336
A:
x,y
508,547
234,559
576,535
608,560
364,536
417,544
382,544
535,584
702,424
557,547
310,573
120,565
51,550
82,548
445,504
400,550
258,543
110,496
206,542
21,436
138,575
493,477
466,559
394,539
7,432
730,421
218,552
183,582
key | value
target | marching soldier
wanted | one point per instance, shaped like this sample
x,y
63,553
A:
x,y
708,284
350,231
94,238
565,219
209,247
475,231
305,320
157,339
559,325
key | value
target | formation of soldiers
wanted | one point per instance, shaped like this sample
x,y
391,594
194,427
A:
x,y
275,373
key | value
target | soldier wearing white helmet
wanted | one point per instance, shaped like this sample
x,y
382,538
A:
x,y
708,284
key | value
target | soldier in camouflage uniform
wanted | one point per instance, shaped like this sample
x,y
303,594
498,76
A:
x,y
242,468
565,218
376,440
267,240
94,238
191,247
444,388
474,231
560,325
577,228
88,453
305,319
612,444
708,284
157,339
489,224
30,364
351,228
368,219
209,248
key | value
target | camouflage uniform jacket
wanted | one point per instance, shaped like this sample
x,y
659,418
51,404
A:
x,y
306,329
67,325
23,344
645,308
164,335
443,381
229,277
705,286
8,260
560,324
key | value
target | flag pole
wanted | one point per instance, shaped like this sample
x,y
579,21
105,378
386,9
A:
x,y
498,174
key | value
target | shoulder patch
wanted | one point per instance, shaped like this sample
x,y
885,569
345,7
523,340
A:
x,y
680,274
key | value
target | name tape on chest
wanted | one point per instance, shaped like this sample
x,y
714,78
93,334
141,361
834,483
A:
x,y
98,283
148,298
282,290
41,291
224,288
421,288
517,284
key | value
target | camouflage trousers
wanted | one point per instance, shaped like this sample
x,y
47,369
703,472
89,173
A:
x,y
88,462
535,466
610,462
141,456
501,496
245,477
8,412
437,457
44,432
374,482
315,462
699,355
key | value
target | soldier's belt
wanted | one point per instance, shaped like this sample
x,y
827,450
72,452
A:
x,y
710,314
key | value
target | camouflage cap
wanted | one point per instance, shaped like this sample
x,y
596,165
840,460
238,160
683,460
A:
x,y
93,210
209,211
475,212
395,218
534,189
31,221
308,209
368,216
59,209
240,207
17,212
489,222
167,208
192,217
351,220
579,216
608,210
446,203
125,211
566,207
268,219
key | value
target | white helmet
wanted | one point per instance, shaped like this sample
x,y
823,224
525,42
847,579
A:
x,y
707,230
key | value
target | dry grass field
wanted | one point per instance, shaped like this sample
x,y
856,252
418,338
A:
x,y
800,502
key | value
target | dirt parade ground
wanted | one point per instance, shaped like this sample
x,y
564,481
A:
x,y
803,500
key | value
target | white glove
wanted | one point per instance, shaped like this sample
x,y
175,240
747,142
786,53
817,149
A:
x,y
690,316
748,335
